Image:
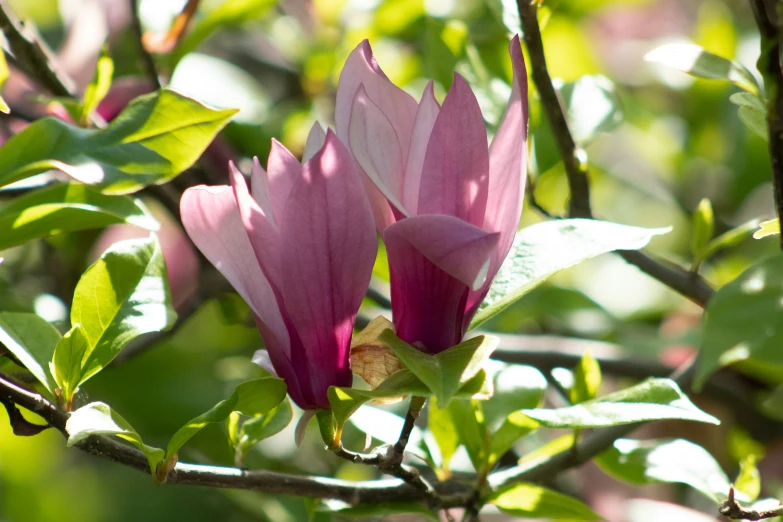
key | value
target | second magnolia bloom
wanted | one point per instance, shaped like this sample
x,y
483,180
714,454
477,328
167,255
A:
x,y
299,248
446,204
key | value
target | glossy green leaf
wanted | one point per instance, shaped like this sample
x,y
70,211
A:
x,y
98,418
441,425
446,372
121,296
32,342
731,237
653,399
516,426
748,480
66,364
264,426
703,225
217,413
532,501
752,112
468,419
694,60
592,106
517,387
587,379
666,461
767,228
543,249
67,208
98,88
155,138
743,321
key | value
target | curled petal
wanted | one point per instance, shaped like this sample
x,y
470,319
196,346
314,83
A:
x,y
211,219
422,128
455,175
460,249
508,161
376,148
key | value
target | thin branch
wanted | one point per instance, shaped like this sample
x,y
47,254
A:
x,y
138,34
175,34
690,285
32,55
731,509
767,17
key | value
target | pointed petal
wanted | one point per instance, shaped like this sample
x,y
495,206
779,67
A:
x,y
315,140
263,235
328,255
259,187
456,166
211,219
282,168
427,303
460,249
376,148
399,106
508,161
422,128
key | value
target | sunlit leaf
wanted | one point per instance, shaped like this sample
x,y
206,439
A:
x,y
692,59
516,426
592,106
517,387
441,425
748,480
653,399
743,321
752,112
66,364
98,418
767,228
67,208
587,379
731,237
31,340
543,249
532,501
155,138
703,224
264,426
98,88
667,461
4,72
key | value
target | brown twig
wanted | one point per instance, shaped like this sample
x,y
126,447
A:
x,y
32,55
731,509
172,38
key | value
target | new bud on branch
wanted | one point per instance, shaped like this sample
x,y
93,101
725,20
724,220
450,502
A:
x,y
299,248
446,205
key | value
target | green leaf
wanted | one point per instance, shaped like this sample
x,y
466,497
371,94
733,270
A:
x,y
516,426
517,387
446,372
768,228
742,322
544,249
155,138
587,379
749,480
228,13
4,73
98,418
67,208
532,501
731,237
218,413
666,461
653,399
120,297
66,364
264,426
98,88
441,425
592,106
752,112
32,341
692,59
468,420
703,223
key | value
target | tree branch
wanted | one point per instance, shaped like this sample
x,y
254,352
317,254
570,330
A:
x,y
686,283
31,54
731,509
138,34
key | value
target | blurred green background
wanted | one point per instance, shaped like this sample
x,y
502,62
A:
x,y
672,140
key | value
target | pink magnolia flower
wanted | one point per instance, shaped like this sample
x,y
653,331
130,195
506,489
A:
x,y
299,248
446,205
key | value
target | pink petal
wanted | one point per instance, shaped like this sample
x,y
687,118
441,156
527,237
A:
x,y
422,128
399,106
282,168
315,140
262,233
259,188
508,162
329,251
376,148
455,175
458,248
211,219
